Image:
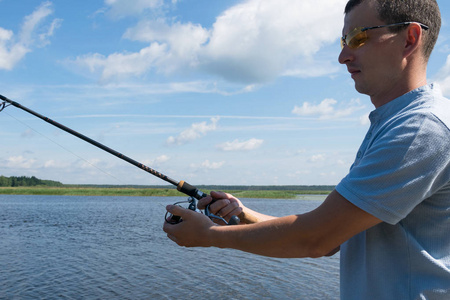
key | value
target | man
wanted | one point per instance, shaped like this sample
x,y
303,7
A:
x,y
390,216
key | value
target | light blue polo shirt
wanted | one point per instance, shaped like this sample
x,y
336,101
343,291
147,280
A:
x,y
401,175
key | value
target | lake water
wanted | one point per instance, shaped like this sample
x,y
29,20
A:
x,y
69,247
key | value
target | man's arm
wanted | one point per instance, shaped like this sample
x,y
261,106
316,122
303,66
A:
x,y
313,234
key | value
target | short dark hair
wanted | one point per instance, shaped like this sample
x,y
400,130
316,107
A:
x,y
397,11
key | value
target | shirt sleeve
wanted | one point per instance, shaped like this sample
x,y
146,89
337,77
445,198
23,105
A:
x,y
406,162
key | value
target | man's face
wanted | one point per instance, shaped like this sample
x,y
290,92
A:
x,y
375,66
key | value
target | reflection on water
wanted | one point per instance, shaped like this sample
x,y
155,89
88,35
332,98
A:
x,y
66,247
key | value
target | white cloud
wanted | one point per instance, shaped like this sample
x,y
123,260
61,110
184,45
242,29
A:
x,y
328,174
157,161
27,133
171,48
443,78
212,165
5,35
57,164
89,163
196,131
182,42
122,65
237,145
20,162
326,109
258,40
313,67
252,42
317,158
161,159
10,54
44,37
206,165
124,8
31,23
364,119
12,49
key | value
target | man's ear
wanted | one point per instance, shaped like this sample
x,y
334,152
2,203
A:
x,y
413,39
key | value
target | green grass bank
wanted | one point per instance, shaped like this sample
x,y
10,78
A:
x,y
157,191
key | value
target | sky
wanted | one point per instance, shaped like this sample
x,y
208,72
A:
x,y
210,92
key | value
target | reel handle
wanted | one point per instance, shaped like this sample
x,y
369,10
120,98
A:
x,y
234,220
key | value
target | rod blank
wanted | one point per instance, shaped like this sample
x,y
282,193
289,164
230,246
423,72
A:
x,y
182,186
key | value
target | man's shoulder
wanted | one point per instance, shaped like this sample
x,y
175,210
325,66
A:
x,y
441,110
428,103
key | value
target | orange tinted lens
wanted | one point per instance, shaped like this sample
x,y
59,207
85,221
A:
x,y
356,38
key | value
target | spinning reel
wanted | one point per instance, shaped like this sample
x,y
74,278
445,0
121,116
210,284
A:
x,y
172,219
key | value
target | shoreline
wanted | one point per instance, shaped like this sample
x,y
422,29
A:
x,y
150,192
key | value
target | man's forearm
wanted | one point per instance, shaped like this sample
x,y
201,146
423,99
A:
x,y
276,237
249,216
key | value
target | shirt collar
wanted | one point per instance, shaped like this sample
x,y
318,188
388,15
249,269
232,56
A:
x,y
396,105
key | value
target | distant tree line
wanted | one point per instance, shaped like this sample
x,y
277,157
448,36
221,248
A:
x,y
219,187
26,181
14,181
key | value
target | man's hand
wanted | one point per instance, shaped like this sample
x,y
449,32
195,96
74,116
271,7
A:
x,y
226,206
193,231
223,205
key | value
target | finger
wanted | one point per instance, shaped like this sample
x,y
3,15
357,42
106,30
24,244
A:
x,y
223,195
218,205
221,207
173,238
176,210
217,221
175,213
168,228
173,230
233,209
220,195
237,212
202,203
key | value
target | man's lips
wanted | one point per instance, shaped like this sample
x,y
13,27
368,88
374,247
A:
x,y
354,72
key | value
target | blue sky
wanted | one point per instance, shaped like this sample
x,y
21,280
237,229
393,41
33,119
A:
x,y
210,92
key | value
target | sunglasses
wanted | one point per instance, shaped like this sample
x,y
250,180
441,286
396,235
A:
x,y
358,36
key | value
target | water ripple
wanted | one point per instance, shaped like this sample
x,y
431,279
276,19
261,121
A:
x,y
114,248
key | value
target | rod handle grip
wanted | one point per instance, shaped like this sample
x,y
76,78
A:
x,y
190,190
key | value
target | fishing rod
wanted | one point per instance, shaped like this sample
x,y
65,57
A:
x,y
182,186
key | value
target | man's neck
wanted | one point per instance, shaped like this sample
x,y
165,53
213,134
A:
x,y
410,83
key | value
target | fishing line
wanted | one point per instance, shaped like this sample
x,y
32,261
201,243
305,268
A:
x,y
61,146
